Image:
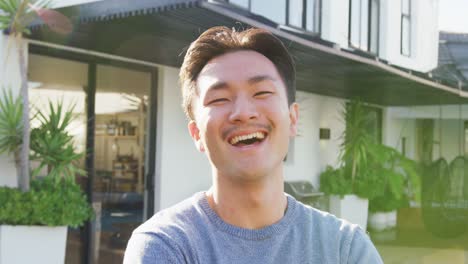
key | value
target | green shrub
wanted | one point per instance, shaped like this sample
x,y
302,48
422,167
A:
x,y
334,182
48,203
387,203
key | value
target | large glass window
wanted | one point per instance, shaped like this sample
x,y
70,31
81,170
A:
x,y
313,10
273,10
374,26
295,13
304,14
301,14
364,25
406,27
241,3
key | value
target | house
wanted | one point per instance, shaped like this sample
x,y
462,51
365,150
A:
x,y
120,66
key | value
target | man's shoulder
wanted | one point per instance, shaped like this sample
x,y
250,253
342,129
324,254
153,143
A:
x,y
338,236
176,218
167,235
325,221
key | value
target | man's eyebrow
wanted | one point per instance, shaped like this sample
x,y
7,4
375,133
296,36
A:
x,y
260,78
218,86
253,80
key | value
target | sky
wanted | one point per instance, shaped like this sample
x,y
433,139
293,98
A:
x,y
453,15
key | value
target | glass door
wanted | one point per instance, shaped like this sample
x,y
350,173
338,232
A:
x,y
112,125
121,124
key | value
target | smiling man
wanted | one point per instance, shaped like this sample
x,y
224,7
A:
x,y
238,93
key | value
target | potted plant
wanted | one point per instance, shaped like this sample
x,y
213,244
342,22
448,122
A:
x,y
401,183
36,221
351,185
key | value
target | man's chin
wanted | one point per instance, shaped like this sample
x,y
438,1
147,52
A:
x,y
249,174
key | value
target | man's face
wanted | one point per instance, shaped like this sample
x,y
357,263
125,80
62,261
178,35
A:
x,y
242,119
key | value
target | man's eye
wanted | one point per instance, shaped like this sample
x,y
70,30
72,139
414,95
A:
x,y
262,93
218,100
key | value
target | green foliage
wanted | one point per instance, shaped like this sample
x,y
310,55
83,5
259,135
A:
x,y
387,204
369,169
356,139
11,125
54,200
333,181
49,202
17,15
353,176
52,145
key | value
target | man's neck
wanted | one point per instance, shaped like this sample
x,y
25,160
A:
x,y
252,205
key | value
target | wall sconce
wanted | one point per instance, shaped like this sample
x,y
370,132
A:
x,y
324,134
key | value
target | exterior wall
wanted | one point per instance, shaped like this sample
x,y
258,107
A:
x,y
9,78
181,169
424,38
310,154
335,22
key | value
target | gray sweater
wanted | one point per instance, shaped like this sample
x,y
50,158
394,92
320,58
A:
x,y
191,232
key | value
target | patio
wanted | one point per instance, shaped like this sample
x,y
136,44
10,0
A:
x,y
411,243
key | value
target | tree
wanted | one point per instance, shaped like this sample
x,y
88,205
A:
x,y
15,17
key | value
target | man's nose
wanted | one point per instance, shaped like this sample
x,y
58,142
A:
x,y
243,110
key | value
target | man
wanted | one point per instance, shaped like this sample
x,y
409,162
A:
x,y
238,93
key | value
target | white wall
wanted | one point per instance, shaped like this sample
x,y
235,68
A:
x,y
425,36
312,155
9,78
424,30
181,168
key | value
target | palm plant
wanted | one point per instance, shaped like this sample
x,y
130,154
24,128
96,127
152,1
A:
x,y
15,17
52,145
11,125
356,139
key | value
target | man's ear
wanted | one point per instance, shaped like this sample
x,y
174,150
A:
x,y
293,117
195,134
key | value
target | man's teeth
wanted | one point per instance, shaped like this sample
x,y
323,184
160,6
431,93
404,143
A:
x,y
236,139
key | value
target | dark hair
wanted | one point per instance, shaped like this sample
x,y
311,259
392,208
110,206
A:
x,y
217,41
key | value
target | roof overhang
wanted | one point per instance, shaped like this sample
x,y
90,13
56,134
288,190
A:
x,y
160,32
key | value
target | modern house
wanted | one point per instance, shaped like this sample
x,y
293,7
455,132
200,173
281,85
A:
x,y
119,65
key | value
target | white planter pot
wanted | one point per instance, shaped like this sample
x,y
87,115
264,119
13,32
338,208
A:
x,y
392,219
351,208
32,244
378,221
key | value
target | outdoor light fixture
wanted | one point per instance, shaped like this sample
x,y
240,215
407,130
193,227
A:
x,y
324,133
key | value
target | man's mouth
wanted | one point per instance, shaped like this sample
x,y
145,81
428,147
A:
x,y
248,139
